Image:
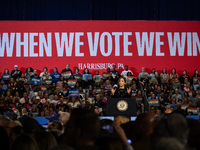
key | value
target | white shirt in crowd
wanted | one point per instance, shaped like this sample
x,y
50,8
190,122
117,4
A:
x,y
42,74
124,73
76,104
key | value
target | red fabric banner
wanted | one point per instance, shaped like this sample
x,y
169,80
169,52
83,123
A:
x,y
100,44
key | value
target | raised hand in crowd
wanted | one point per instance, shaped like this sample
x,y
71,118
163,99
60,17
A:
x,y
113,91
129,90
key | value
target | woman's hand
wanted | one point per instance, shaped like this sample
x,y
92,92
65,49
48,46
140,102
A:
x,y
129,90
113,91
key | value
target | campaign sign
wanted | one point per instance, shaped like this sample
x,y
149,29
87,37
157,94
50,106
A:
x,y
195,79
98,90
106,75
65,91
43,78
183,107
97,78
48,81
9,114
6,77
195,117
138,99
67,74
43,88
35,81
74,93
176,85
71,82
87,76
153,102
65,101
193,110
77,77
43,122
190,93
174,106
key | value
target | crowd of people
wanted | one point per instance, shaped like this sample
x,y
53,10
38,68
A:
x,y
47,94
173,93
75,101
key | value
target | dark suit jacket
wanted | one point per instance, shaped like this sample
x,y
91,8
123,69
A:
x,y
23,118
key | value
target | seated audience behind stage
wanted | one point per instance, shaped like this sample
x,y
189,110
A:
x,y
16,74
124,73
44,73
67,69
142,73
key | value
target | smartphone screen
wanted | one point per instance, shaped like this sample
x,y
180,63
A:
x,y
109,128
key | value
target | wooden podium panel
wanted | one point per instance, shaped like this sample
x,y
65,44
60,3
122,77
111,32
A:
x,y
121,106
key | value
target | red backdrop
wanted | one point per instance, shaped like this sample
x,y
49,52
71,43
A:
x,y
130,33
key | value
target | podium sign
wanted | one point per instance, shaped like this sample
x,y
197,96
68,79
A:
x,y
121,106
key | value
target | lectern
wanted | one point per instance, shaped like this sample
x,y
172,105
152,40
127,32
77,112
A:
x,y
121,106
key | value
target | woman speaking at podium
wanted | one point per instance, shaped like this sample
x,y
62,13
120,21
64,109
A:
x,y
122,90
